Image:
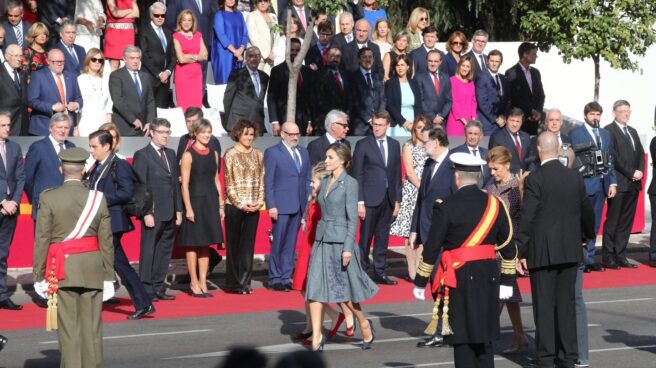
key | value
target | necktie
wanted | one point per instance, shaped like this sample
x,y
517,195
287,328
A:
x,y
349,38
61,148
94,173
436,82
339,82
60,88
518,146
199,3
299,80
162,39
482,61
17,81
3,153
370,83
323,55
529,78
71,50
256,83
381,147
473,152
162,156
596,136
297,159
626,131
19,34
436,165
498,84
137,85
301,17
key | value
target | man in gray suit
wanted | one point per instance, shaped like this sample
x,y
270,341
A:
x,y
244,94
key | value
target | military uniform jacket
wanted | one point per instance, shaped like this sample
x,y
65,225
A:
x,y
59,210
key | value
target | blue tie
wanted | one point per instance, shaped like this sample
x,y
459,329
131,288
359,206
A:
x,y
596,137
137,84
162,39
297,159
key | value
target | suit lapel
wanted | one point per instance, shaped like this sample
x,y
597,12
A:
x,y
374,143
156,157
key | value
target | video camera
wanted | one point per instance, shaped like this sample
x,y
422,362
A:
x,y
589,159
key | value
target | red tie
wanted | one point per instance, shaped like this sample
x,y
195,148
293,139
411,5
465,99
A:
x,y
299,80
339,82
518,146
436,82
323,55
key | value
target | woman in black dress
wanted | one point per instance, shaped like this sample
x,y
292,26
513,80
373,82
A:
x,y
201,190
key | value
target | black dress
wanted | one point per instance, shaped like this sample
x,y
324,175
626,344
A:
x,y
206,229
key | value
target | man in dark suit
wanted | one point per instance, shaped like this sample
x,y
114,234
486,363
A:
x,y
652,205
193,115
300,11
345,35
350,51
629,166
473,136
15,27
555,211
155,166
51,90
598,186
114,178
158,56
13,88
245,92
12,181
377,168
336,126
132,93
53,13
515,140
553,122
73,54
479,41
418,55
367,93
204,20
331,89
492,95
286,187
435,89
526,90
277,95
317,53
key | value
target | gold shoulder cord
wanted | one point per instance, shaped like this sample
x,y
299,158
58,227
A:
x,y
507,265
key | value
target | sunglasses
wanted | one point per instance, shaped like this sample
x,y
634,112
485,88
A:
x,y
457,43
420,19
159,15
97,60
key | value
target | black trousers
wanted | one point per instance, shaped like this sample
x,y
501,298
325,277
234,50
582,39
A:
x,y
652,233
128,275
554,312
7,228
156,249
617,228
473,355
162,94
376,226
240,246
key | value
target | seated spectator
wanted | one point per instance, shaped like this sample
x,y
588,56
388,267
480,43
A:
x,y
400,47
350,59
463,93
434,89
492,95
260,23
516,141
419,54
455,46
73,54
345,35
90,20
372,12
382,36
95,94
367,93
419,20
403,99
331,88
316,55
35,56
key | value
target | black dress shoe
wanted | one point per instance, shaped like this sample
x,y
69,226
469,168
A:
x,y
385,281
112,300
8,304
301,336
3,342
612,266
597,267
626,264
141,313
41,303
432,342
288,286
164,296
652,264
278,287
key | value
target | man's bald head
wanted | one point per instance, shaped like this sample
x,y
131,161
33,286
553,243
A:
x,y
548,145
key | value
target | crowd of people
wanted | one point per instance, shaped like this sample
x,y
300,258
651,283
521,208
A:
x,y
363,82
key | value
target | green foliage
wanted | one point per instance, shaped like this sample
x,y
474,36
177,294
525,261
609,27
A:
x,y
331,6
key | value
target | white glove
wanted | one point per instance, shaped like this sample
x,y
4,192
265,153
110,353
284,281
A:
x,y
505,292
418,292
41,288
108,290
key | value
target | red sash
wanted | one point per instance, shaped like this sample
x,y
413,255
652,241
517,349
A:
x,y
57,253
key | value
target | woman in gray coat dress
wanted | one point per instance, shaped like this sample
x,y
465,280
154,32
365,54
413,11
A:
x,y
334,272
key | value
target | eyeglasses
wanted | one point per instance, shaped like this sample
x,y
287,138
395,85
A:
x,y
454,43
160,16
423,19
292,134
343,125
163,132
97,60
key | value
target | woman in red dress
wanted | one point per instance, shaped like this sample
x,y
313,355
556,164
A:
x,y
190,51
119,31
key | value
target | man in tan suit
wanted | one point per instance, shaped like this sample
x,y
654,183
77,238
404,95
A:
x,y
73,229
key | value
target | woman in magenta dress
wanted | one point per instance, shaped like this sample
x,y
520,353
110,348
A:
x,y
190,52
464,98
119,31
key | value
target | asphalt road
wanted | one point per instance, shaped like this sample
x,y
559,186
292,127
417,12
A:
x,y
622,332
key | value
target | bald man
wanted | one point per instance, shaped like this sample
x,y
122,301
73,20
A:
x,y
350,50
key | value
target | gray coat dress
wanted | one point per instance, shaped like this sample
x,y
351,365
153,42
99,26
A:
x,y
327,280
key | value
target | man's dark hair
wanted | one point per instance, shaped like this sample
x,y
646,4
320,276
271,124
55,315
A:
x,y
159,122
524,48
362,51
495,53
295,40
437,133
381,114
193,111
325,26
434,52
430,29
592,106
104,137
516,111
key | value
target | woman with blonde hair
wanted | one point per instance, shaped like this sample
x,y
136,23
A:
x,y
399,47
35,56
261,25
95,93
419,19
382,36
463,94
190,51
455,47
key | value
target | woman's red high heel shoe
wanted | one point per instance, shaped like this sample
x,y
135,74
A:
x,y
340,320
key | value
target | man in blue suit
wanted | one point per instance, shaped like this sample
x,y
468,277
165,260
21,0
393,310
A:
x,y
418,55
601,186
492,95
15,27
377,168
435,89
51,90
473,135
73,54
515,140
12,181
286,188
367,93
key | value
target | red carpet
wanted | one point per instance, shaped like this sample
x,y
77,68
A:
x,y
263,300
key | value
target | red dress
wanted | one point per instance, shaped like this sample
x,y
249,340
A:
x,y
305,247
188,77
119,32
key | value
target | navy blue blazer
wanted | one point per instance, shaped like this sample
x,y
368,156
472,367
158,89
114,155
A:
x,y
431,103
314,56
393,100
13,177
42,170
285,188
42,94
482,151
318,147
534,163
502,138
489,104
440,186
581,136
375,179
205,20
364,101
10,36
70,64
418,57
117,187
149,169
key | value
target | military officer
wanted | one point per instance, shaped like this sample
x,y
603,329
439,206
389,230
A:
x,y
467,228
73,260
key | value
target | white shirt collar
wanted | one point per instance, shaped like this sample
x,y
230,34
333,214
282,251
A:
x,y
155,27
155,146
548,160
9,69
55,143
365,71
330,138
427,49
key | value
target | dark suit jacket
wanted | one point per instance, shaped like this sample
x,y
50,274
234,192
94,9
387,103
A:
x,y
116,181
155,59
308,17
482,151
13,176
50,11
533,158
440,186
42,93
240,100
393,99
418,57
10,35
14,100
339,40
328,96
556,214
489,104
652,153
375,178
477,66
502,138
521,95
128,106
70,65
350,58
580,136
314,56
42,170
317,148
165,185
205,20
627,159
431,103
277,96
285,188
365,101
